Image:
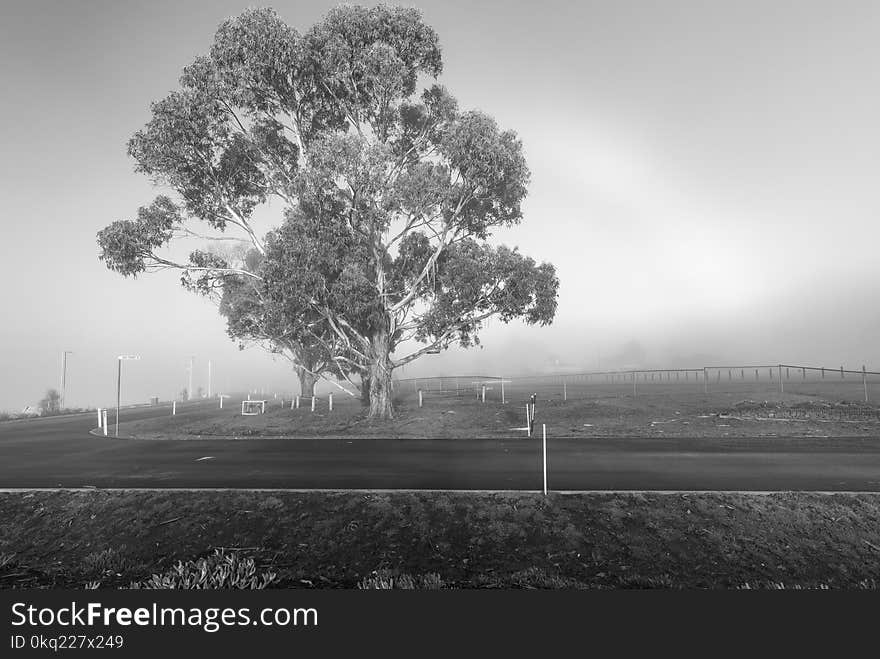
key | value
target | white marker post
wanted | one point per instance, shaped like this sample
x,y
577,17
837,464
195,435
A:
x,y
99,418
544,429
105,422
173,407
865,382
483,393
297,402
420,397
565,390
330,400
313,403
502,392
528,421
781,384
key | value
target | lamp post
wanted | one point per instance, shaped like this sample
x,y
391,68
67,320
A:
x,y
189,389
64,375
119,361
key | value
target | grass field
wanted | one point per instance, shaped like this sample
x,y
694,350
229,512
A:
x,y
660,412
111,539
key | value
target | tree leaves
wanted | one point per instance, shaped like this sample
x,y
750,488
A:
x,y
127,245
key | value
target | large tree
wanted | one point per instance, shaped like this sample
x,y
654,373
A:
x,y
390,192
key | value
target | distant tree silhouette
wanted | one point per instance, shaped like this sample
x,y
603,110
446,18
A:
x,y
51,402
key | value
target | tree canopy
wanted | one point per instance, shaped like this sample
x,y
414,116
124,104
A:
x,y
389,193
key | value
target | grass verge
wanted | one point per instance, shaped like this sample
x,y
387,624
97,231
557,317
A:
x,y
461,540
657,415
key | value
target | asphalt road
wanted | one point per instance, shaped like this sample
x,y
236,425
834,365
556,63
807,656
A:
x,y
60,452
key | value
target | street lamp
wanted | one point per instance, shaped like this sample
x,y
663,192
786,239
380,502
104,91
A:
x,y
64,375
189,389
119,384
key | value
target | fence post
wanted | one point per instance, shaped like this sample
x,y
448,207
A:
x,y
781,383
544,430
565,390
297,401
705,381
291,403
634,384
841,372
865,382
502,390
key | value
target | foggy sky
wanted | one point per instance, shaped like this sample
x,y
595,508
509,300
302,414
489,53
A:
x,y
704,178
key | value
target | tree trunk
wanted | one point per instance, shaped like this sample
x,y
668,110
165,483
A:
x,y
365,388
306,382
380,377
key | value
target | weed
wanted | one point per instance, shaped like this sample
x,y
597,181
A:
x,y
219,571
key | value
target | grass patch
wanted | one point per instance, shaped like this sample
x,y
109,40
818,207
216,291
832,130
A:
x,y
432,540
656,414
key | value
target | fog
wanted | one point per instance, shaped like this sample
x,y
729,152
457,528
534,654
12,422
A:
x,y
704,178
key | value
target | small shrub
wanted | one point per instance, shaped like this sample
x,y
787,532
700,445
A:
x,y
92,585
387,580
219,571
106,561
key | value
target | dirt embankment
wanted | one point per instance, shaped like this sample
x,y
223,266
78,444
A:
x,y
110,539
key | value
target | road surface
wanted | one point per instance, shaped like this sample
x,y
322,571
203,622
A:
x,y
60,452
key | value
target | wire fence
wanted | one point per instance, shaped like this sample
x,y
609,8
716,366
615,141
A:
x,y
749,380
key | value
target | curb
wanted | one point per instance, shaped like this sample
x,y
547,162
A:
x,y
757,493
